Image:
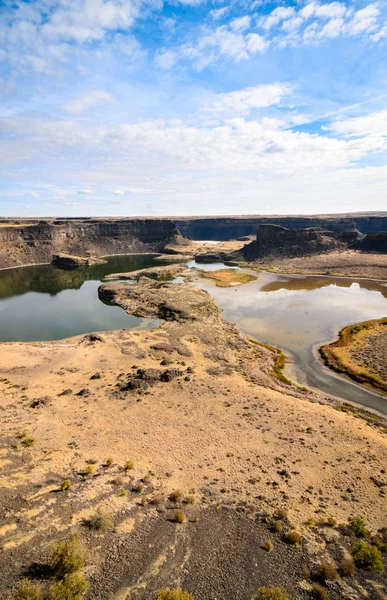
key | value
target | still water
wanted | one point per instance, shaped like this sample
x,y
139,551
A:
x,y
44,302
294,313
300,313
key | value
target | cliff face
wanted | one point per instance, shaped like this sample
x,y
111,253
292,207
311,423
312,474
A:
x,y
225,228
37,242
373,242
276,241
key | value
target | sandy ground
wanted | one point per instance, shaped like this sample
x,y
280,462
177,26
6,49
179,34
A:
x,y
351,263
221,428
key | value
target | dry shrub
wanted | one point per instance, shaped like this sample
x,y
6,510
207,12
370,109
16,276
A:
x,y
347,567
101,520
293,537
175,594
71,587
28,591
68,556
270,593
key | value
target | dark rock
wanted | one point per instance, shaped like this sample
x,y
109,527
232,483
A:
x,y
170,374
43,401
83,392
96,376
278,241
66,392
373,242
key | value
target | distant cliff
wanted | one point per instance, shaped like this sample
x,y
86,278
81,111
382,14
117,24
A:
x,y
277,241
24,241
373,242
36,241
225,228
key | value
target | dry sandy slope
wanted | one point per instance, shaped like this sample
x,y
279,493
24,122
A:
x,y
211,432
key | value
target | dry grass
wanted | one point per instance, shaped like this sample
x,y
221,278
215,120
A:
x,y
228,277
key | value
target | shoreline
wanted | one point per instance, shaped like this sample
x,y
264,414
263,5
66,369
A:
x,y
334,355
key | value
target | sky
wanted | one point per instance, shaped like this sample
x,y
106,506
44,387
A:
x,y
192,107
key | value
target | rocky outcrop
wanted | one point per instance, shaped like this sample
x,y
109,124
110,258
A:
x,y
154,299
275,241
26,243
373,242
162,273
67,261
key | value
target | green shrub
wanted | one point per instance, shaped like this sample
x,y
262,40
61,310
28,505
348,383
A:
x,y
347,567
175,594
278,526
367,557
270,593
129,464
319,592
65,485
28,441
28,591
72,587
268,545
68,557
109,462
326,572
101,520
292,537
180,516
89,469
357,525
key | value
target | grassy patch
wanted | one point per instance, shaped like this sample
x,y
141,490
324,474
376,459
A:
x,y
228,277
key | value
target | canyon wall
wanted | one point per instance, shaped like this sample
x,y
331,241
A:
x,y
277,241
224,228
37,241
25,241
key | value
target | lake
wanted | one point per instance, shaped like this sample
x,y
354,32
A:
x,y
295,313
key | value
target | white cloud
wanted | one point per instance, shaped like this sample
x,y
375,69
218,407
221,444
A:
x,y
276,16
86,191
166,59
375,122
242,101
218,13
364,20
241,23
80,105
119,192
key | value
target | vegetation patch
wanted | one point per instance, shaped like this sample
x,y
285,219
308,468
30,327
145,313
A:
x,y
367,557
68,557
228,277
337,355
270,593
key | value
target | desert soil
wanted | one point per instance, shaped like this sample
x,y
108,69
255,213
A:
x,y
349,263
360,352
193,403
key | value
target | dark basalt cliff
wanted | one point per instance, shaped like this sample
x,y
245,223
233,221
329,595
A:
x,y
37,241
25,241
373,242
225,228
277,241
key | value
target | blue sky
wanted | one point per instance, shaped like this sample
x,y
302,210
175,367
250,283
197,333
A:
x,y
189,107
